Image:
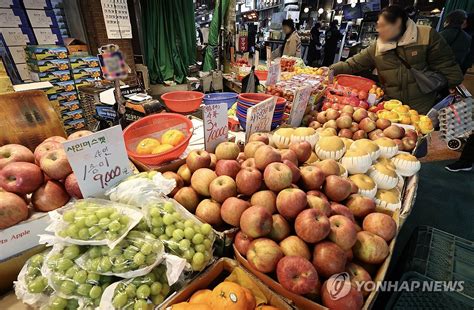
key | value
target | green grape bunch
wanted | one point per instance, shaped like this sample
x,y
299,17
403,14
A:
x,y
58,303
70,280
142,293
185,238
92,221
35,282
137,251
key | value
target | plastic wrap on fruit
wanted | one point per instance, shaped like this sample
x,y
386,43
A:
x,y
137,190
92,222
31,286
134,256
139,292
55,302
68,279
181,232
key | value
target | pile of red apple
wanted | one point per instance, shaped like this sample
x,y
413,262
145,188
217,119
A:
x,y
301,223
358,123
337,96
44,173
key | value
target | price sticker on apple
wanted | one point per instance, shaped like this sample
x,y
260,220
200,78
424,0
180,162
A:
x,y
99,161
215,125
300,102
259,117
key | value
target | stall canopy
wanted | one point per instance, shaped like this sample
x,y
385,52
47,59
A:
x,y
217,20
170,38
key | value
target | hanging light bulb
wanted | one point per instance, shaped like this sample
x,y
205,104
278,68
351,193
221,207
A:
x,y
339,1
320,11
306,9
353,5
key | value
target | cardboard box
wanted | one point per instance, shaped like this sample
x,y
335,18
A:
x,y
10,3
84,82
78,62
23,71
76,47
86,73
40,52
61,87
72,115
42,18
13,17
216,273
74,125
48,65
53,76
5,84
68,106
37,4
17,53
64,96
18,36
48,35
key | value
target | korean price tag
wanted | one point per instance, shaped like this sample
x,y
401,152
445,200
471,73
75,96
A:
x,y
331,76
273,74
260,116
215,125
99,161
299,105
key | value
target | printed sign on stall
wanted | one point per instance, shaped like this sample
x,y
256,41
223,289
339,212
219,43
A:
x,y
215,125
273,74
99,161
259,117
300,102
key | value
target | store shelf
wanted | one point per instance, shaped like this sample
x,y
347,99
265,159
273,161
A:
x,y
269,8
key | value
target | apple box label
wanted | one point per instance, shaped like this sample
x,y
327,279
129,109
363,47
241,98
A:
x,y
273,73
215,125
259,117
99,161
300,102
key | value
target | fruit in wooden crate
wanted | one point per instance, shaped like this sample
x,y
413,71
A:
x,y
370,248
297,274
256,222
328,258
263,254
380,224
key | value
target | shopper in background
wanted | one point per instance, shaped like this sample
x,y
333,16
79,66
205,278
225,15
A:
x,y
332,37
292,42
314,49
457,38
470,30
420,46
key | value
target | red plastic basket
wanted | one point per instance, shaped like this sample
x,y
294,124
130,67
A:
x,y
356,82
261,74
154,126
183,101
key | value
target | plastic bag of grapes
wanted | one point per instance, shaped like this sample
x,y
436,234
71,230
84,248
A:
x,y
56,302
181,232
134,256
68,279
31,286
138,189
145,292
94,222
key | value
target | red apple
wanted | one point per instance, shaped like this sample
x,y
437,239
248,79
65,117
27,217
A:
x,y
266,155
201,180
312,226
343,232
332,114
295,172
328,166
227,167
185,173
370,248
315,125
302,150
347,109
360,205
174,176
188,198
344,122
72,187
359,134
259,136
312,177
21,178
337,188
55,164
374,135
351,300
338,209
394,132
209,211
13,209
44,148
198,159
266,199
242,243
399,143
55,139
251,147
50,196
248,181
354,127
297,274
289,155
227,150
359,115
294,246
79,134
328,258
367,125
318,194
15,153
321,117
290,202
256,222
358,276
410,133
213,164
346,133
280,228
232,209
264,254
380,224
222,188
382,123
240,159
248,163
408,144
315,202
277,176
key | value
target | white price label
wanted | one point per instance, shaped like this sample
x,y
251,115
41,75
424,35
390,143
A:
x,y
300,102
260,116
273,74
215,125
99,161
371,99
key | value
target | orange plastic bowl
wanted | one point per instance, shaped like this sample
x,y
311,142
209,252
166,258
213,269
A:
x,y
261,74
183,101
356,82
154,126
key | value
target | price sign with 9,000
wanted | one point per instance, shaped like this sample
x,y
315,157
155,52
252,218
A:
x,y
99,161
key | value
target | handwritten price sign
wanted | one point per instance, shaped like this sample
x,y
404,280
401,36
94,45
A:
x,y
273,74
259,117
215,125
300,102
99,161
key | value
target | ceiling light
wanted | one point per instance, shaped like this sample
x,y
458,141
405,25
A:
x,y
320,11
306,10
339,1
353,5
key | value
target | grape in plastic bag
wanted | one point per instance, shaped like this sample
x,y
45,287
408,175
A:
x,y
58,303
